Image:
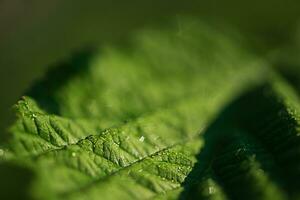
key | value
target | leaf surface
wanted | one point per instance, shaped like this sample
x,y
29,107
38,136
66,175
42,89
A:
x,y
139,122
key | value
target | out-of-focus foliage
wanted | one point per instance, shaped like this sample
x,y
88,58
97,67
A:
x,y
37,34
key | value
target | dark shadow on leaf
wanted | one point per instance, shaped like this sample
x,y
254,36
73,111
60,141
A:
x,y
44,91
291,72
255,132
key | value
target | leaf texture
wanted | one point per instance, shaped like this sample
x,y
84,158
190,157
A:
x,y
181,113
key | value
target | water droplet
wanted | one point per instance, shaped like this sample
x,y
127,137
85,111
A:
x,y
73,154
33,116
1,152
211,190
142,138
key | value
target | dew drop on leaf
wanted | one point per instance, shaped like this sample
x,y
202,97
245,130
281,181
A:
x,y
142,138
1,152
211,190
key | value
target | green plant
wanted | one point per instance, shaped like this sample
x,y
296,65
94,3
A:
x,y
182,113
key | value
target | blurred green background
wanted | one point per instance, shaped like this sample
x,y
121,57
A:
x,y
35,34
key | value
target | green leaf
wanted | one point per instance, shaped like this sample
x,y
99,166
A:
x,y
253,147
143,122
